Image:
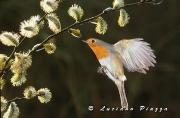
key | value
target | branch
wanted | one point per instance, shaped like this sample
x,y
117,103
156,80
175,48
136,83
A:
x,y
10,57
23,98
16,99
15,49
105,11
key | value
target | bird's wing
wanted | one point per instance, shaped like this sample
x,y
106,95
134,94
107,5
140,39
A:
x,y
136,54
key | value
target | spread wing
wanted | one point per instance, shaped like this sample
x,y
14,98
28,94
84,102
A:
x,y
136,54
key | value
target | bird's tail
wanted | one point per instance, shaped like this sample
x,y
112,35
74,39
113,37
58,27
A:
x,y
122,93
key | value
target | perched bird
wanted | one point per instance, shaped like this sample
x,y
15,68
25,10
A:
x,y
133,54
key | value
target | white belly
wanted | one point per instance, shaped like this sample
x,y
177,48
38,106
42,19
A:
x,y
115,68
107,62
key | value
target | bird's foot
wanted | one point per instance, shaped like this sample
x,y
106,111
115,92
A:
x,y
102,69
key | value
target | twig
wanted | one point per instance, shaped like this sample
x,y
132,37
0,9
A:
x,y
10,57
105,11
154,2
42,18
15,49
23,98
16,99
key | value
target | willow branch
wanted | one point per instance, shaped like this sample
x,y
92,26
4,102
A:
x,y
10,57
23,98
16,99
15,49
105,11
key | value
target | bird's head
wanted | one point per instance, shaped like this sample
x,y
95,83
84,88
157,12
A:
x,y
100,48
91,42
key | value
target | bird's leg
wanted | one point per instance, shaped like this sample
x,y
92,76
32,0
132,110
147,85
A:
x,y
118,82
106,71
101,69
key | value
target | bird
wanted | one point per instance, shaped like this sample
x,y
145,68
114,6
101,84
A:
x,y
135,55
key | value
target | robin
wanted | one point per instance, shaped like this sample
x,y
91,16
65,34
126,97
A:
x,y
132,54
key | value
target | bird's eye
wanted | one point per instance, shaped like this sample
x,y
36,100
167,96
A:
x,y
93,41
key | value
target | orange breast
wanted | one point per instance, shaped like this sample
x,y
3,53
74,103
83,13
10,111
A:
x,y
100,51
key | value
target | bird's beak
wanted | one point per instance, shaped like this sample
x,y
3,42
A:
x,y
84,41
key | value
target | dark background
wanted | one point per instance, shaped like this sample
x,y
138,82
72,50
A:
x,y
71,74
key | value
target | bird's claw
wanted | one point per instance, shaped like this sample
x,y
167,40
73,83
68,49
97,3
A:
x,y
104,70
101,69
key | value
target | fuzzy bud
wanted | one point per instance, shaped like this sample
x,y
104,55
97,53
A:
x,y
123,18
44,95
101,25
50,48
4,104
2,83
118,4
9,38
76,12
29,92
30,28
12,111
3,59
75,32
21,63
18,79
49,6
54,23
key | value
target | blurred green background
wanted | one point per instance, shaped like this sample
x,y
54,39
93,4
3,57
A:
x,y
71,73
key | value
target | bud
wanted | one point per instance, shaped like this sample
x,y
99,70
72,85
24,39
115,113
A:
x,y
50,48
35,18
49,6
44,95
101,25
54,23
30,28
3,59
4,104
12,112
123,18
29,92
9,38
118,4
76,12
2,83
18,79
75,32
21,63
